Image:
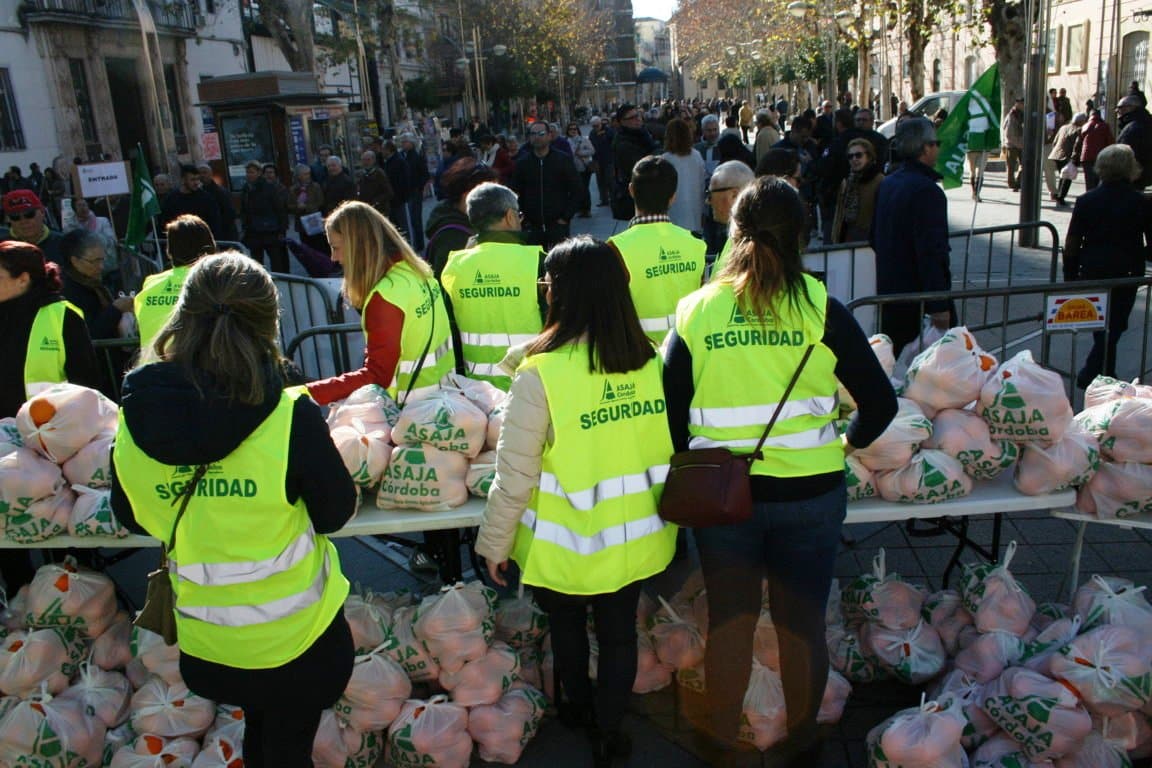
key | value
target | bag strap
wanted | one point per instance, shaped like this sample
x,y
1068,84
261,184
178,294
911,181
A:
x,y
427,346
757,454
185,496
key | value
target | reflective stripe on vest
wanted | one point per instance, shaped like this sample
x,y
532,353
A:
x,y
274,610
665,263
430,360
223,574
743,415
741,364
495,339
255,585
812,438
612,488
615,535
485,369
593,525
46,355
657,323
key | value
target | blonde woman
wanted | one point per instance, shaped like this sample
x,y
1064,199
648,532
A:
x,y
401,309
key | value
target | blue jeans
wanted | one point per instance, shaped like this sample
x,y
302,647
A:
x,y
793,544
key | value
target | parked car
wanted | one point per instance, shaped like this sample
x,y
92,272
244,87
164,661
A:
x,y
926,106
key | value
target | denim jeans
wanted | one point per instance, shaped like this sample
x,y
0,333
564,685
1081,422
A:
x,y
792,544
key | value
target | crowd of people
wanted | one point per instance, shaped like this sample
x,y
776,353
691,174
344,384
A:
x,y
615,355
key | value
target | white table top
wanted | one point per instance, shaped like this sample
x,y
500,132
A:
x,y
987,497
1136,521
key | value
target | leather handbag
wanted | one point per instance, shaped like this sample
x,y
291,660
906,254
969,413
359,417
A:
x,y
159,612
711,486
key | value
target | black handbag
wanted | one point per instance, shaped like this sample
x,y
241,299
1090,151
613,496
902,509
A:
x,y
711,486
159,612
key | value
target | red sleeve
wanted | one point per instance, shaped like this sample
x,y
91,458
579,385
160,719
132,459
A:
x,y
383,322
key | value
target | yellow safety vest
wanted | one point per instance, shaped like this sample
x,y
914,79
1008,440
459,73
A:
x,y
156,301
46,355
255,584
741,367
721,258
418,298
492,288
591,526
665,263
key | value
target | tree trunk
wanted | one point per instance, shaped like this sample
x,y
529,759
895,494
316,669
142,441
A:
x,y
917,37
290,24
1009,37
864,70
390,48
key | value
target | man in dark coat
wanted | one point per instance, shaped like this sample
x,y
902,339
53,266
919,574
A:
x,y
910,235
374,187
338,185
190,198
223,200
632,144
549,190
1136,131
417,177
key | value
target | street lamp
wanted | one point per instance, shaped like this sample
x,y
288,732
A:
x,y
799,9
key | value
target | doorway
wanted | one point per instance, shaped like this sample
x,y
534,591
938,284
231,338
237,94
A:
x,y
128,107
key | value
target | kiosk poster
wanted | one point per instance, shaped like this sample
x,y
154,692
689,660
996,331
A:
x,y
246,138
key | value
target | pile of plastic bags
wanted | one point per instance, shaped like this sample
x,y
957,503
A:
x,y
434,678
1016,684
429,455
1118,415
54,466
962,418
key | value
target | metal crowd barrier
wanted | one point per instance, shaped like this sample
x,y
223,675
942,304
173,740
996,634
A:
x,y
985,311
327,350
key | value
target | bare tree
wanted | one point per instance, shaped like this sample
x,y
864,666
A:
x,y
1009,30
290,24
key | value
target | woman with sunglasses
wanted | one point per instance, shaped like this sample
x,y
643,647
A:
x,y
586,413
857,198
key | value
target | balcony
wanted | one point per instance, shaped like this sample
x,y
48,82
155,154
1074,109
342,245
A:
x,y
177,17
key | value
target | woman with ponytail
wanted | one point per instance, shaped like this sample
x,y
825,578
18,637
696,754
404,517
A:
x,y
736,346
238,477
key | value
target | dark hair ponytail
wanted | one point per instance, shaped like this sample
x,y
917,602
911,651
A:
x,y
590,297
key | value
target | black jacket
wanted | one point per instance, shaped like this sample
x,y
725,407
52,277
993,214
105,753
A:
x,y
16,317
223,200
1136,132
197,203
1110,234
630,146
263,208
548,188
173,424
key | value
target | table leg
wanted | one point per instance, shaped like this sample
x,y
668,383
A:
x,y
997,521
1074,567
448,556
959,529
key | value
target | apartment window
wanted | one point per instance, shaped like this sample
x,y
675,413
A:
x,y
83,101
172,86
11,134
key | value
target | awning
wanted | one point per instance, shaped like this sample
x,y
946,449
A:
x,y
652,75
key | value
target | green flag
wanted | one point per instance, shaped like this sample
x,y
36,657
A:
x,y
972,126
144,202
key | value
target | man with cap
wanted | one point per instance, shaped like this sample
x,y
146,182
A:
x,y
25,215
416,177
1135,126
910,234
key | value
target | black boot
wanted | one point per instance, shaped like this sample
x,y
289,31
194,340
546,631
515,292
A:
x,y
609,745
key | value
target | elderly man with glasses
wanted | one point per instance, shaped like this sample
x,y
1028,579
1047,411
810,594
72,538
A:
x,y
1135,126
25,215
910,234
632,144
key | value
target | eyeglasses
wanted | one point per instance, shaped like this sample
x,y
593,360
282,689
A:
x,y
94,259
537,133
855,155
717,191
633,116
26,215
932,143
544,283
